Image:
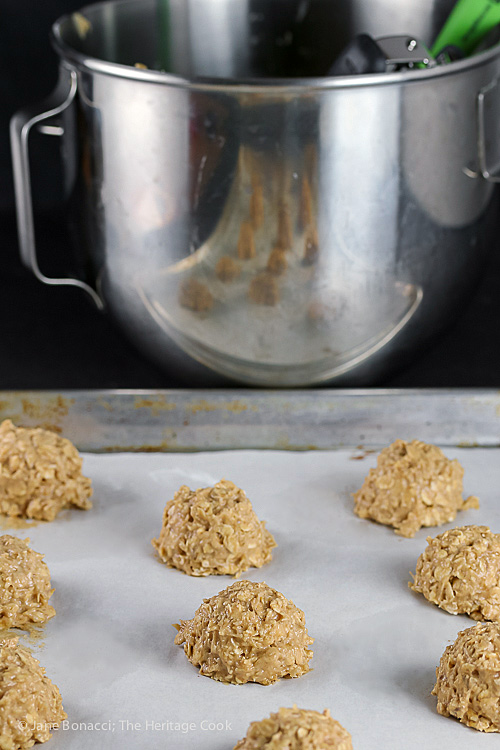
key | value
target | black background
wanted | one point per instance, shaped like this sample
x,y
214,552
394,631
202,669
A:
x,y
55,338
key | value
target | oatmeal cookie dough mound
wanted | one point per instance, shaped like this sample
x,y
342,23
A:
x,y
40,473
247,633
296,729
213,531
460,572
468,682
24,584
414,485
30,704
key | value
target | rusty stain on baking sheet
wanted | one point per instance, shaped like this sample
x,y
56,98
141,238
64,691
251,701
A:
x,y
46,413
156,404
172,447
104,404
236,407
364,453
284,444
9,409
160,448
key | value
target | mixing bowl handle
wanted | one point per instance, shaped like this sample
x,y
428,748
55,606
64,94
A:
x,y
484,170
20,128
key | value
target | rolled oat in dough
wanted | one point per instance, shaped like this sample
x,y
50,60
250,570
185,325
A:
x,y
296,729
213,531
460,572
24,584
30,704
40,473
414,485
247,633
468,682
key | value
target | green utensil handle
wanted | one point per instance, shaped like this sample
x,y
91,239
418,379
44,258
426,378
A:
x,y
163,11
467,24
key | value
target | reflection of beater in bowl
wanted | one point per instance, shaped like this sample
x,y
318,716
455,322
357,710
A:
x,y
272,297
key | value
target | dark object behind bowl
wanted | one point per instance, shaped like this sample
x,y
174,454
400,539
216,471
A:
x,y
243,38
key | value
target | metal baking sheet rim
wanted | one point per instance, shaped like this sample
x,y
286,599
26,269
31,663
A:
x,y
183,420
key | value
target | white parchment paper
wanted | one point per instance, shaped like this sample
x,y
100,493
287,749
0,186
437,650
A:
x,y
110,647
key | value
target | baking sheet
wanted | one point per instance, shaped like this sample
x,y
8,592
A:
x,y
110,647
219,419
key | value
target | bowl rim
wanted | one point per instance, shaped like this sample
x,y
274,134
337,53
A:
x,y
251,85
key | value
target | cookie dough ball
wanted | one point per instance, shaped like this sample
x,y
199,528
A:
x,y
467,682
460,572
40,473
30,704
24,584
414,485
247,633
213,531
296,729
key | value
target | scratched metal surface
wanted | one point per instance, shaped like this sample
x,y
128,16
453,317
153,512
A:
x,y
189,420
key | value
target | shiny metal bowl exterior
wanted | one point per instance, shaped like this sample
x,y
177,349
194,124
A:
x,y
356,212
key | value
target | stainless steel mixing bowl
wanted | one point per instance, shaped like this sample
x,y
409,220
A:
x,y
244,215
